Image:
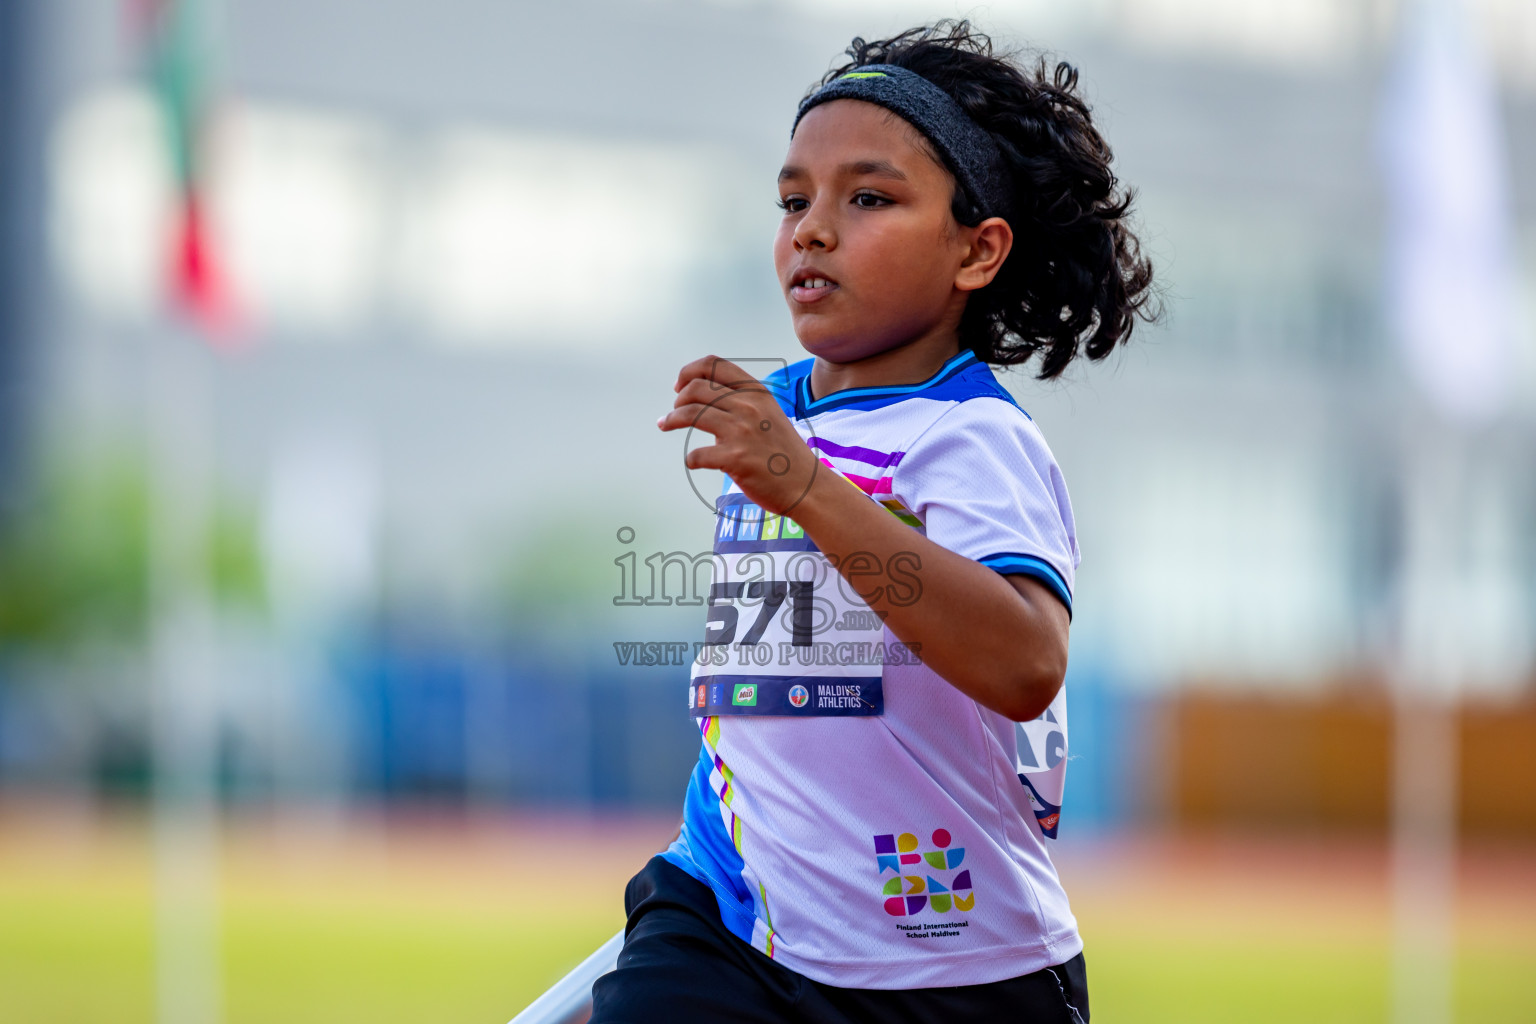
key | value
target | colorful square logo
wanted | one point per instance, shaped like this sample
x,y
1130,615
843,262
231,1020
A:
x,y
923,880
745,695
702,701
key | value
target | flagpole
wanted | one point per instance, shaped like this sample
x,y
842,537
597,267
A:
x,y
184,672
1450,307
1426,676
183,651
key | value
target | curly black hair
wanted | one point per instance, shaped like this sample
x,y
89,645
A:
x,y
1076,279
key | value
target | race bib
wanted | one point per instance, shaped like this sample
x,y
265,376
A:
x,y
786,634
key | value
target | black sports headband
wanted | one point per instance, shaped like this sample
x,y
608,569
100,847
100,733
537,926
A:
x,y
968,150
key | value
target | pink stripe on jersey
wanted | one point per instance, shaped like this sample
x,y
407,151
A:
x,y
863,483
868,486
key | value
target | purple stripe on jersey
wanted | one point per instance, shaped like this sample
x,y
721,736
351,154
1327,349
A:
x,y
878,459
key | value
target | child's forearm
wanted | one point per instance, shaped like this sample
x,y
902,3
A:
x,y
1000,640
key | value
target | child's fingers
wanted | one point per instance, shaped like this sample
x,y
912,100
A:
x,y
708,418
710,456
704,404
721,373
707,392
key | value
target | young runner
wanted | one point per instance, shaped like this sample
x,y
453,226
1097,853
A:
x,y
880,686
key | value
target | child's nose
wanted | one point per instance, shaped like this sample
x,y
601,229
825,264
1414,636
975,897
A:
x,y
814,231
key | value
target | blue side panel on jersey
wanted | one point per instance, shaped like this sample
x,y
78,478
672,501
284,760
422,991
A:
x,y
1011,563
704,849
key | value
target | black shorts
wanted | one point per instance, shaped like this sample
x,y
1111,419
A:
x,y
679,965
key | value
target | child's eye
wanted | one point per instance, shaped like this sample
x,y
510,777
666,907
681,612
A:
x,y
870,201
794,204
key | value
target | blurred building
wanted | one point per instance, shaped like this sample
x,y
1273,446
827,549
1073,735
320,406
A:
x,y
469,243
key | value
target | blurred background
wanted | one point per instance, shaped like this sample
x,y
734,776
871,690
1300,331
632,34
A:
x,y
332,336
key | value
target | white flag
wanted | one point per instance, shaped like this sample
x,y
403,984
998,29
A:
x,y
1451,278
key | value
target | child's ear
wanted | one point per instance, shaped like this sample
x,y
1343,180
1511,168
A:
x,y
990,243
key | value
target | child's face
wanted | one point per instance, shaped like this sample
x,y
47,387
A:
x,y
868,253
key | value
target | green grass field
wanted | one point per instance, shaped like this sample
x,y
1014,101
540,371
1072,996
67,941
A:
x,y
434,920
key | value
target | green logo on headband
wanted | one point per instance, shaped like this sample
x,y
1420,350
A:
x,y
863,74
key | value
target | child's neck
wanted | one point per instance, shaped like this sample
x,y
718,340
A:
x,y
909,363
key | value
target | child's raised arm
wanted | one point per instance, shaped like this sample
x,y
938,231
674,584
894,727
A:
x,y
1001,640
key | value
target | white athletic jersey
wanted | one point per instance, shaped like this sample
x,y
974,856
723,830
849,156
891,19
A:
x,y
859,819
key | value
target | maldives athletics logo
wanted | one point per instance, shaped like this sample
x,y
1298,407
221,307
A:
x,y
799,696
925,880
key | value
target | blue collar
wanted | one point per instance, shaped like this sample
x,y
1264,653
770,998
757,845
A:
x,y
806,406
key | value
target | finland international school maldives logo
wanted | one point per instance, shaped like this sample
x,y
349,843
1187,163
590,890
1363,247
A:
x,y
923,880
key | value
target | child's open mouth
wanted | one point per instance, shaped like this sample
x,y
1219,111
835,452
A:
x,y
811,287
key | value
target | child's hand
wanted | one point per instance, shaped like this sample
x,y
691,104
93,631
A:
x,y
755,444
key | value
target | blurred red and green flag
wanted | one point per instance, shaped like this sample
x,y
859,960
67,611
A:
x,y
173,36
